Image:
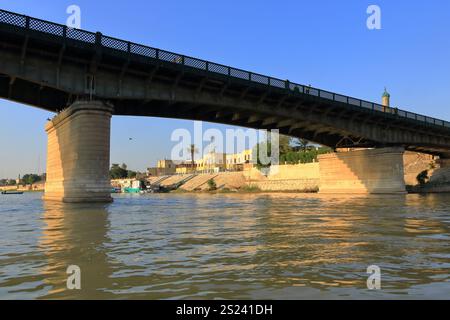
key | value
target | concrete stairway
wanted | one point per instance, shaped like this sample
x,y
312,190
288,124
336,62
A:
x,y
198,182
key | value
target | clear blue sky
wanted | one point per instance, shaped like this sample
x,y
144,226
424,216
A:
x,y
324,43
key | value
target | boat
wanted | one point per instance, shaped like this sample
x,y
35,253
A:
x,y
12,192
136,187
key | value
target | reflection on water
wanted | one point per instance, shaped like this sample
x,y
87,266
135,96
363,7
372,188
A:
x,y
172,246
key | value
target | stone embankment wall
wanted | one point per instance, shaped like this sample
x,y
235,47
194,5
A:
x,y
298,177
363,171
414,163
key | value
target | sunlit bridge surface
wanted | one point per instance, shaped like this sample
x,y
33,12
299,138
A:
x,y
261,246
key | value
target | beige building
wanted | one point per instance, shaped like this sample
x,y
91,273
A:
x,y
236,161
186,168
212,162
163,168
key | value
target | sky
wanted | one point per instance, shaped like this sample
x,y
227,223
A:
x,y
324,43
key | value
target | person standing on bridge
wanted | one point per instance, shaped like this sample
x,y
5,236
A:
x,y
307,89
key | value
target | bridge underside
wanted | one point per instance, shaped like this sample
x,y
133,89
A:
x,y
78,160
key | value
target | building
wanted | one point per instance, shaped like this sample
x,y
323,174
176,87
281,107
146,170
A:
x,y
163,168
166,167
212,162
236,161
186,168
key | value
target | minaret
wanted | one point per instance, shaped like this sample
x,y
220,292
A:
x,y
385,98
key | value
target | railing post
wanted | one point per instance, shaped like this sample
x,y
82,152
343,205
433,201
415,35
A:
x,y
286,84
207,66
98,39
157,54
129,47
65,31
27,22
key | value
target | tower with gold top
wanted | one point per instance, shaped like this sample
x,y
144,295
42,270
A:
x,y
385,99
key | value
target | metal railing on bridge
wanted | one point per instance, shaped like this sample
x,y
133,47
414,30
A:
x,y
130,48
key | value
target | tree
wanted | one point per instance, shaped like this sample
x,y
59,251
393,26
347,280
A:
x,y
30,179
131,174
192,150
117,172
422,177
303,144
284,144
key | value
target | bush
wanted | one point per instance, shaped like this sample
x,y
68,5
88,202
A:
x,y
303,156
422,177
212,185
250,188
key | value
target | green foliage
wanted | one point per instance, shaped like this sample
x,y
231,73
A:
x,y
121,172
30,179
131,174
422,177
250,188
117,172
211,185
292,151
303,156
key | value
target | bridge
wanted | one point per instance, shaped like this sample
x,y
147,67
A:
x,y
87,77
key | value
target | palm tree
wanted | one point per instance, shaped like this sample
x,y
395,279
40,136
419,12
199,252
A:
x,y
303,144
192,150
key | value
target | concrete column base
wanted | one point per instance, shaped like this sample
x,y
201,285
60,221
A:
x,y
78,154
377,171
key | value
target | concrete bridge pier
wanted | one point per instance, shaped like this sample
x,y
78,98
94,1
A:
x,y
78,153
377,171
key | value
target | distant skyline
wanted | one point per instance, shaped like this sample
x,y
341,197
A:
x,y
323,43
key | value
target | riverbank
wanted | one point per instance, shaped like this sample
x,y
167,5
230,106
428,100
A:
x,y
27,188
302,178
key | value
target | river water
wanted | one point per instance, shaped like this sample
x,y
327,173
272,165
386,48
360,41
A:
x,y
226,246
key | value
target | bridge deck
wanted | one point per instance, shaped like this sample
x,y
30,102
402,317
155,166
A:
x,y
24,23
206,90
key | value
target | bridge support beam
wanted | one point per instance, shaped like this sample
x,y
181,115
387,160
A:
x,y
377,171
78,154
